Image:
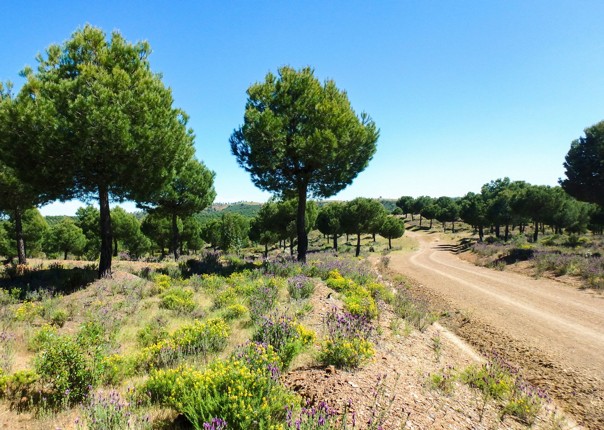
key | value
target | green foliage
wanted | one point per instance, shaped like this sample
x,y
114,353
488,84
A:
x,y
64,367
244,391
65,237
233,232
109,411
178,299
347,344
392,228
361,215
189,191
59,317
357,299
300,137
285,335
584,166
199,338
94,100
151,333
300,287
42,337
234,312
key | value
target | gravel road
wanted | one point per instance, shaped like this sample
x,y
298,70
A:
x,y
555,332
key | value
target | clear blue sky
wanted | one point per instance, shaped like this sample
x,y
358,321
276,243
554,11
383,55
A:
x,y
463,91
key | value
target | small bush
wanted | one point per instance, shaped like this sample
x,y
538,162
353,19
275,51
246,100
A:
x,y
348,343
286,337
152,333
199,338
234,312
414,313
41,338
110,411
59,317
63,366
243,391
225,298
28,311
300,287
178,299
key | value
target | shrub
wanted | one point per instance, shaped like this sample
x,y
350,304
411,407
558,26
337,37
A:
x,y
41,338
300,287
162,282
262,299
225,298
178,299
348,343
22,383
63,366
110,411
243,391
286,337
58,318
234,312
152,332
7,351
197,338
28,311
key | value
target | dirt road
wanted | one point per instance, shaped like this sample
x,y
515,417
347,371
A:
x,y
553,331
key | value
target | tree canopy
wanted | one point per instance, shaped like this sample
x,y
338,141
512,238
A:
x,y
94,101
585,166
300,138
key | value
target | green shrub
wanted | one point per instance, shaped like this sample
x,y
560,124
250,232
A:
x,y
234,312
300,287
152,332
285,335
178,299
348,343
199,338
22,383
63,366
225,298
244,391
415,313
41,338
59,317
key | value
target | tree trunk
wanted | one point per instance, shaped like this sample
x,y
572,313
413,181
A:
x,y
106,234
507,232
373,234
430,224
480,233
335,242
497,231
452,226
265,251
114,247
19,236
444,226
291,246
389,242
536,232
420,219
175,237
301,224
358,244
65,255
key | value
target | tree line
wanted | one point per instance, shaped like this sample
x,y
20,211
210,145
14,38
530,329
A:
x,y
504,205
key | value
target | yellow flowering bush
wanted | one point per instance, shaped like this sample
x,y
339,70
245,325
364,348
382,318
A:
x,y
197,338
244,391
234,311
178,299
28,311
162,282
358,300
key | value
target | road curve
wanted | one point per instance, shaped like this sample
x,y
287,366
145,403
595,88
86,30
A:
x,y
555,318
553,331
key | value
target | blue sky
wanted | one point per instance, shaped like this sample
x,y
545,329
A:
x,y
463,91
